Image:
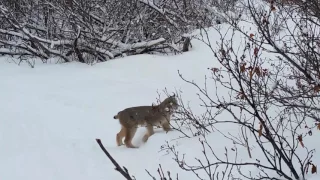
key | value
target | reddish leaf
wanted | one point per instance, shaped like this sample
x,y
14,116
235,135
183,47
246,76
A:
x,y
316,88
241,95
255,52
214,70
257,71
251,35
264,20
223,52
300,140
243,67
313,169
251,74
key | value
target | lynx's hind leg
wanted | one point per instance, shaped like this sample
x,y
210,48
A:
x,y
129,136
149,133
120,135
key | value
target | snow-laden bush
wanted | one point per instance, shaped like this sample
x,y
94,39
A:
x,y
97,30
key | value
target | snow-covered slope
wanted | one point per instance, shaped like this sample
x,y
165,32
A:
x,y
52,114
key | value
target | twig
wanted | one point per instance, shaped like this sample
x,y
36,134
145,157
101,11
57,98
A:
x,y
123,170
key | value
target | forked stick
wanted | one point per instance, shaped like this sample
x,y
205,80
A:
x,y
124,171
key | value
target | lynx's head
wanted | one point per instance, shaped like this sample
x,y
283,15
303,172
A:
x,y
170,104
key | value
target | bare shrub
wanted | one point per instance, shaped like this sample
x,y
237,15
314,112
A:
x,y
265,87
272,84
96,31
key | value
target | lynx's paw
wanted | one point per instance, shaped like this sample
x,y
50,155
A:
x,y
168,130
131,146
120,144
145,138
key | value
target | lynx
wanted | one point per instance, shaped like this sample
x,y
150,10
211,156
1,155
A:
x,y
144,116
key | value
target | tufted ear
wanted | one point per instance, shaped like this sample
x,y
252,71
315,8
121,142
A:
x,y
174,95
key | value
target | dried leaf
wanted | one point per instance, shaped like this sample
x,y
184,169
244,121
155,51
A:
x,y
299,84
264,20
251,74
214,70
318,126
265,72
313,169
257,71
251,35
243,67
273,8
255,52
223,52
260,130
300,140
316,88
241,95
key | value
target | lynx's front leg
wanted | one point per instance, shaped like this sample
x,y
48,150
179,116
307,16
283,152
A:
x,y
149,133
166,126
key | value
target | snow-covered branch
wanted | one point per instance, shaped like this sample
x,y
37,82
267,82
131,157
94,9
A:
x,y
108,30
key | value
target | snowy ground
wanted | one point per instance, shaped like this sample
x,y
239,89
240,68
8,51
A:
x,y
52,114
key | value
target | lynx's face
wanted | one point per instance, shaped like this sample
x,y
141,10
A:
x,y
170,104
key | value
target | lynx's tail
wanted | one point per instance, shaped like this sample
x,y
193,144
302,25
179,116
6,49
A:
x,y
116,116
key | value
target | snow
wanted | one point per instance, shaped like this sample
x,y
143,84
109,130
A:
x,y
52,114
